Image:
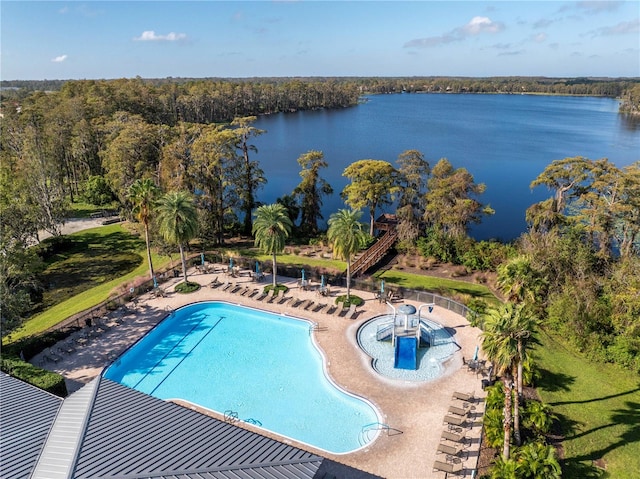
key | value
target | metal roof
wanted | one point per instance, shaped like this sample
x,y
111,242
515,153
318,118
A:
x,y
110,431
133,435
58,456
26,416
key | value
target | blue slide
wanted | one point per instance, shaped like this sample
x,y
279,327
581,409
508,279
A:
x,y
406,353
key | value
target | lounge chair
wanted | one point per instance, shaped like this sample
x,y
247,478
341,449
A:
x,y
456,421
454,437
273,294
244,291
449,468
339,309
305,304
321,308
253,292
227,285
459,411
453,451
261,296
296,302
351,312
215,283
468,397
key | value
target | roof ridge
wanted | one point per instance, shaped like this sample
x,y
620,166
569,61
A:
x,y
60,451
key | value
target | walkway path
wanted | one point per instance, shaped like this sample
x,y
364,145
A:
x,y
417,409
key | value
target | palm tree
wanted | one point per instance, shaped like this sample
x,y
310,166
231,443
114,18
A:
x,y
271,227
143,194
178,221
504,341
346,236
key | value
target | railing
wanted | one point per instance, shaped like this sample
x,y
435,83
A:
x,y
375,253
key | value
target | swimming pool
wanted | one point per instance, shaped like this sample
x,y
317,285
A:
x,y
260,367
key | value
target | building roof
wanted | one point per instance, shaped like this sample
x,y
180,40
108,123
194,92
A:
x,y
26,416
130,435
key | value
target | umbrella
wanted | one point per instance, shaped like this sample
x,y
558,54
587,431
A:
x,y
155,282
382,286
302,272
475,355
202,258
257,268
322,281
230,262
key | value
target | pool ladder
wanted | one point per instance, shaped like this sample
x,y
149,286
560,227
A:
x,y
316,327
363,437
232,417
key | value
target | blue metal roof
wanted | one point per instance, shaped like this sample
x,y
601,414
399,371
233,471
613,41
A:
x,y
26,416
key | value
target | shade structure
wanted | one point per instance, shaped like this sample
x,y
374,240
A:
x,y
202,258
407,309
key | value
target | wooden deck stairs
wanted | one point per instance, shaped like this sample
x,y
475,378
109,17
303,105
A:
x,y
375,253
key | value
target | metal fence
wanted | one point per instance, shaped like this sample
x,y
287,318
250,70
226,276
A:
x,y
84,318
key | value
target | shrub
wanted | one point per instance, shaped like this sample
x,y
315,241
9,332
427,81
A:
x,y
40,378
353,299
97,191
188,287
279,287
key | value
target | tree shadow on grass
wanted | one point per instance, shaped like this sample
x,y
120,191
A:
x,y
554,382
629,418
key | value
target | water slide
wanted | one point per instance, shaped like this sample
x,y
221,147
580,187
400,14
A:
x,y
406,352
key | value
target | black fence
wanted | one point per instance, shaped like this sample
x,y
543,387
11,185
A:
x,y
86,317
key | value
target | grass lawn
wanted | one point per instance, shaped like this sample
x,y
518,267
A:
x,y
599,410
99,260
294,260
444,287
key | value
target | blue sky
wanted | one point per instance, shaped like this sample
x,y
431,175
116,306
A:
x,y
150,39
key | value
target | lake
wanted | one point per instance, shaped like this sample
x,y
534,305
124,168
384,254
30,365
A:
x,y
504,141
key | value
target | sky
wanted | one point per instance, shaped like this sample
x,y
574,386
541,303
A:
x,y
276,38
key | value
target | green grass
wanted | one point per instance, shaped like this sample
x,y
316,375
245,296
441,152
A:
x,y
95,261
84,210
599,410
296,260
444,287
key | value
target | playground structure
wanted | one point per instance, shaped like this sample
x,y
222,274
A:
x,y
407,332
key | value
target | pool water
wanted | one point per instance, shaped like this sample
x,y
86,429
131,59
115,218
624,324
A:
x,y
259,367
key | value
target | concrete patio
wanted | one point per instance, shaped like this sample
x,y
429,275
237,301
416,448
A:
x,y
413,411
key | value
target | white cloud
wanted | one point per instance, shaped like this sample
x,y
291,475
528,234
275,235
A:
x,y
539,38
476,26
151,36
59,59
479,25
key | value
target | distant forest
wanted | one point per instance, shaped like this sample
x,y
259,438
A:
x,y
264,95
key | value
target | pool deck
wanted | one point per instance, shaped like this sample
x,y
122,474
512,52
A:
x,y
413,411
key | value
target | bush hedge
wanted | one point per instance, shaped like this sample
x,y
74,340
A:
x,y
38,377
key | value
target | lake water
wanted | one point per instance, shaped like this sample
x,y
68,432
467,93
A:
x,y
505,141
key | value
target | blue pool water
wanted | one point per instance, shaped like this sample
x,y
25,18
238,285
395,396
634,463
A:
x,y
262,367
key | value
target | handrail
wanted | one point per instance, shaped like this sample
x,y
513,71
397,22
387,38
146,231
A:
x,y
376,252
